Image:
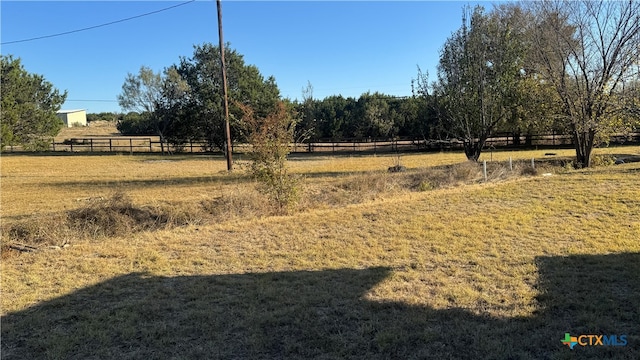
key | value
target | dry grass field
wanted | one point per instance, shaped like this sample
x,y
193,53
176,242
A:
x,y
430,263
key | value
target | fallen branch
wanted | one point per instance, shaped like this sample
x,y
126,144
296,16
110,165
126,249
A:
x,y
23,247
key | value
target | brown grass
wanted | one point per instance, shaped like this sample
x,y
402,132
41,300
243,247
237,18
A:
x,y
117,215
497,270
94,129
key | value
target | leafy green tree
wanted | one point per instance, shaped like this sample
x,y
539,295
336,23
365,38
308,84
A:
x,y
409,111
29,105
587,50
425,124
149,93
335,116
141,92
630,95
171,107
103,116
377,119
478,74
533,105
202,111
134,123
307,127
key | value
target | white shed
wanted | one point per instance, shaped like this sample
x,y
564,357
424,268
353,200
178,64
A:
x,y
73,117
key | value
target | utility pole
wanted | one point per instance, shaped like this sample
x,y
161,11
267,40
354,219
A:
x,y
227,128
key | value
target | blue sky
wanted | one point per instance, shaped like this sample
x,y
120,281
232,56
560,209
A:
x,y
340,47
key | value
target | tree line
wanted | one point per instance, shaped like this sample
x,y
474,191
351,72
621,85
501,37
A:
x,y
572,67
569,67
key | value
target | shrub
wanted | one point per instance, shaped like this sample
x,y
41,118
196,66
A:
x,y
270,138
136,124
602,160
425,186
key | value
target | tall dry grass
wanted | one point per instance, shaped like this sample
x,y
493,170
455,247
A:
x,y
118,215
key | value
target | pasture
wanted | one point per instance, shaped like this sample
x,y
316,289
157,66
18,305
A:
x,y
430,263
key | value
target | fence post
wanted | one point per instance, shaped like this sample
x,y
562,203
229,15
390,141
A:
x,y
191,145
53,143
510,164
150,146
130,146
110,146
91,144
484,169
71,145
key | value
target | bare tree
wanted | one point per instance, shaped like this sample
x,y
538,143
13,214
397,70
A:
x,y
587,49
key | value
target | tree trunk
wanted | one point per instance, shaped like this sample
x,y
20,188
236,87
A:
x,y
472,149
528,140
583,142
516,139
162,143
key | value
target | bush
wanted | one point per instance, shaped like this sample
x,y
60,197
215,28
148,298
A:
x,y
425,186
270,138
136,124
602,160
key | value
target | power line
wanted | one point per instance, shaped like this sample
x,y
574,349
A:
x,y
96,26
89,100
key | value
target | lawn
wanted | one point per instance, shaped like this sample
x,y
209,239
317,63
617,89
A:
x,y
366,267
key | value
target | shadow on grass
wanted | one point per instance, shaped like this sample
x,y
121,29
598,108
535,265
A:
x,y
147,183
141,154
324,314
627,158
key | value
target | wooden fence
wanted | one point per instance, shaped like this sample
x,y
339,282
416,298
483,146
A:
x,y
152,144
